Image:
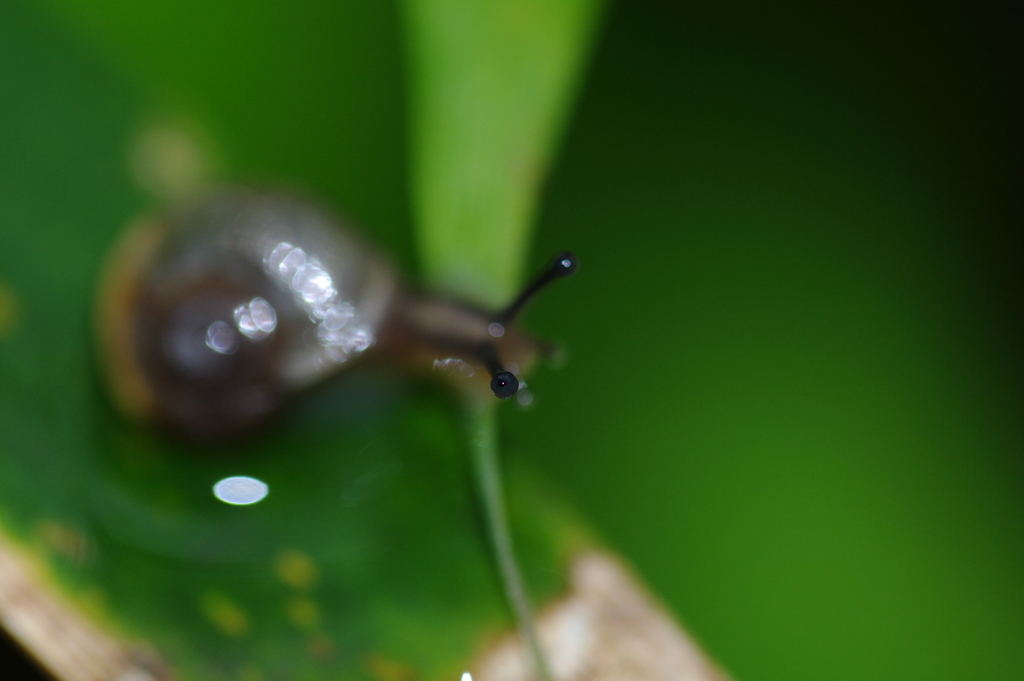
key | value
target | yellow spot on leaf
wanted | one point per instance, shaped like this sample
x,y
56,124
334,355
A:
x,y
228,618
65,540
93,600
387,669
303,613
250,673
296,569
171,159
8,310
320,646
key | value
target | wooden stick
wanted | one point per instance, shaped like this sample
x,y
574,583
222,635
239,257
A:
x,y
607,627
64,642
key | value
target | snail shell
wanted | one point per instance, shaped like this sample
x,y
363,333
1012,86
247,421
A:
x,y
213,315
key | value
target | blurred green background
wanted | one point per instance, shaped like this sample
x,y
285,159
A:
x,y
794,390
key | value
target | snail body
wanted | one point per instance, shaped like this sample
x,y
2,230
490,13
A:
x,y
213,315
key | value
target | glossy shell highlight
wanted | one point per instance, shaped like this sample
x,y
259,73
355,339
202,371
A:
x,y
211,315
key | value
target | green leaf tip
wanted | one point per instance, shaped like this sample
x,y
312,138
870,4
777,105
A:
x,y
492,84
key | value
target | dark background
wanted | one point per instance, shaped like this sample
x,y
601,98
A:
x,y
796,393
795,398
794,390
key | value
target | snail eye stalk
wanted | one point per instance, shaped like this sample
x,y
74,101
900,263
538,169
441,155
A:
x,y
563,265
504,384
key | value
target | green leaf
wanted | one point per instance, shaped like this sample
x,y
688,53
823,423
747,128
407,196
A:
x,y
492,85
367,555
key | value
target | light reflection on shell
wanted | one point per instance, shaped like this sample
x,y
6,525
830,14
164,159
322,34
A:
x,y
238,300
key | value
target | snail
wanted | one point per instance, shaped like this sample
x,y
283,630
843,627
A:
x,y
211,316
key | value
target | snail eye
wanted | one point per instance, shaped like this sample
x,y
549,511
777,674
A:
x,y
504,384
565,264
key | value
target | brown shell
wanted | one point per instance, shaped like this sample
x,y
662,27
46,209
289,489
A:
x,y
212,315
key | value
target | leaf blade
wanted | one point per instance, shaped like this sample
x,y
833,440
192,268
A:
x,y
492,84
